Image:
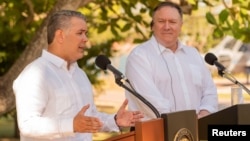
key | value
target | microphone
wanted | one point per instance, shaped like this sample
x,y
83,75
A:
x,y
104,63
211,59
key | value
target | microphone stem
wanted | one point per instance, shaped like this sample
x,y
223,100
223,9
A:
x,y
120,83
231,78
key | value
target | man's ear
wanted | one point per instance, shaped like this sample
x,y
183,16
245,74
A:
x,y
59,35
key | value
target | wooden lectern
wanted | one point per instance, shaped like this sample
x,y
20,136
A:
x,y
144,131
181,126
234,115
170,127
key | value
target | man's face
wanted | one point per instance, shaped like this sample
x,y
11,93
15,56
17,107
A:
x,y
167,25
74,40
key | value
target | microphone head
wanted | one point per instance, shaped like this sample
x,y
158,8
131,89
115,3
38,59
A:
x,y
102,61
210,58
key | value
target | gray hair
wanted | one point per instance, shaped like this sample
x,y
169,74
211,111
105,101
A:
x,y
166,4
61,20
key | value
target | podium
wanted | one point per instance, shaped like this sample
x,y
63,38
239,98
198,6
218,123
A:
x,y
234,115
170,127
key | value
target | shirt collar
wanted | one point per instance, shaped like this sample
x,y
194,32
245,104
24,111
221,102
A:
x,y
160,48
57,61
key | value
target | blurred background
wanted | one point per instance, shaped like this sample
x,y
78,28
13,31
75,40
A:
x,y
116,27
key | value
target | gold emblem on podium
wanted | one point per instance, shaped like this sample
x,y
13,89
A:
x,y
183,135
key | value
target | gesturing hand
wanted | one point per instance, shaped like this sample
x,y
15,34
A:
x,y
86,124
126,118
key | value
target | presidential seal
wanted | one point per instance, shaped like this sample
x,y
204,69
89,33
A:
x,y
183,135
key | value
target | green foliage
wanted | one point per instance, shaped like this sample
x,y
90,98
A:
x,y
108,21
210,18
19,21
113,21
118,18
233,20
223,16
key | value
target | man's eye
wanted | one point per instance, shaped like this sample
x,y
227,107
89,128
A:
x,y
172,21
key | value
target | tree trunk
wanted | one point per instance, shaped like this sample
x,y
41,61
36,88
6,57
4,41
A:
x,y
31,52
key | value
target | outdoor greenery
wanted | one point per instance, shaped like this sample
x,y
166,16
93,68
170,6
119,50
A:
x,y
233,20
111,21
22,30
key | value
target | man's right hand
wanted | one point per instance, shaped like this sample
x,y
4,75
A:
x,y
86,124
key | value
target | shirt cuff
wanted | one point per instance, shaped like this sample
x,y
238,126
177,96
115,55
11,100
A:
x,y
66,127
111,124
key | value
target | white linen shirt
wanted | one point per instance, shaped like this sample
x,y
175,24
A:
x,y
169,81
49,96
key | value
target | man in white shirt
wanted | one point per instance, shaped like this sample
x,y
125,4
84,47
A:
x,y
54,98
171,76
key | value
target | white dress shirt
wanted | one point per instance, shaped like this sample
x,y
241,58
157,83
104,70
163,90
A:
x,y
169,81
48,96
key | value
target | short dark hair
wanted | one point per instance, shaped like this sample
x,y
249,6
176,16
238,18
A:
x,y
61,20
166,4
